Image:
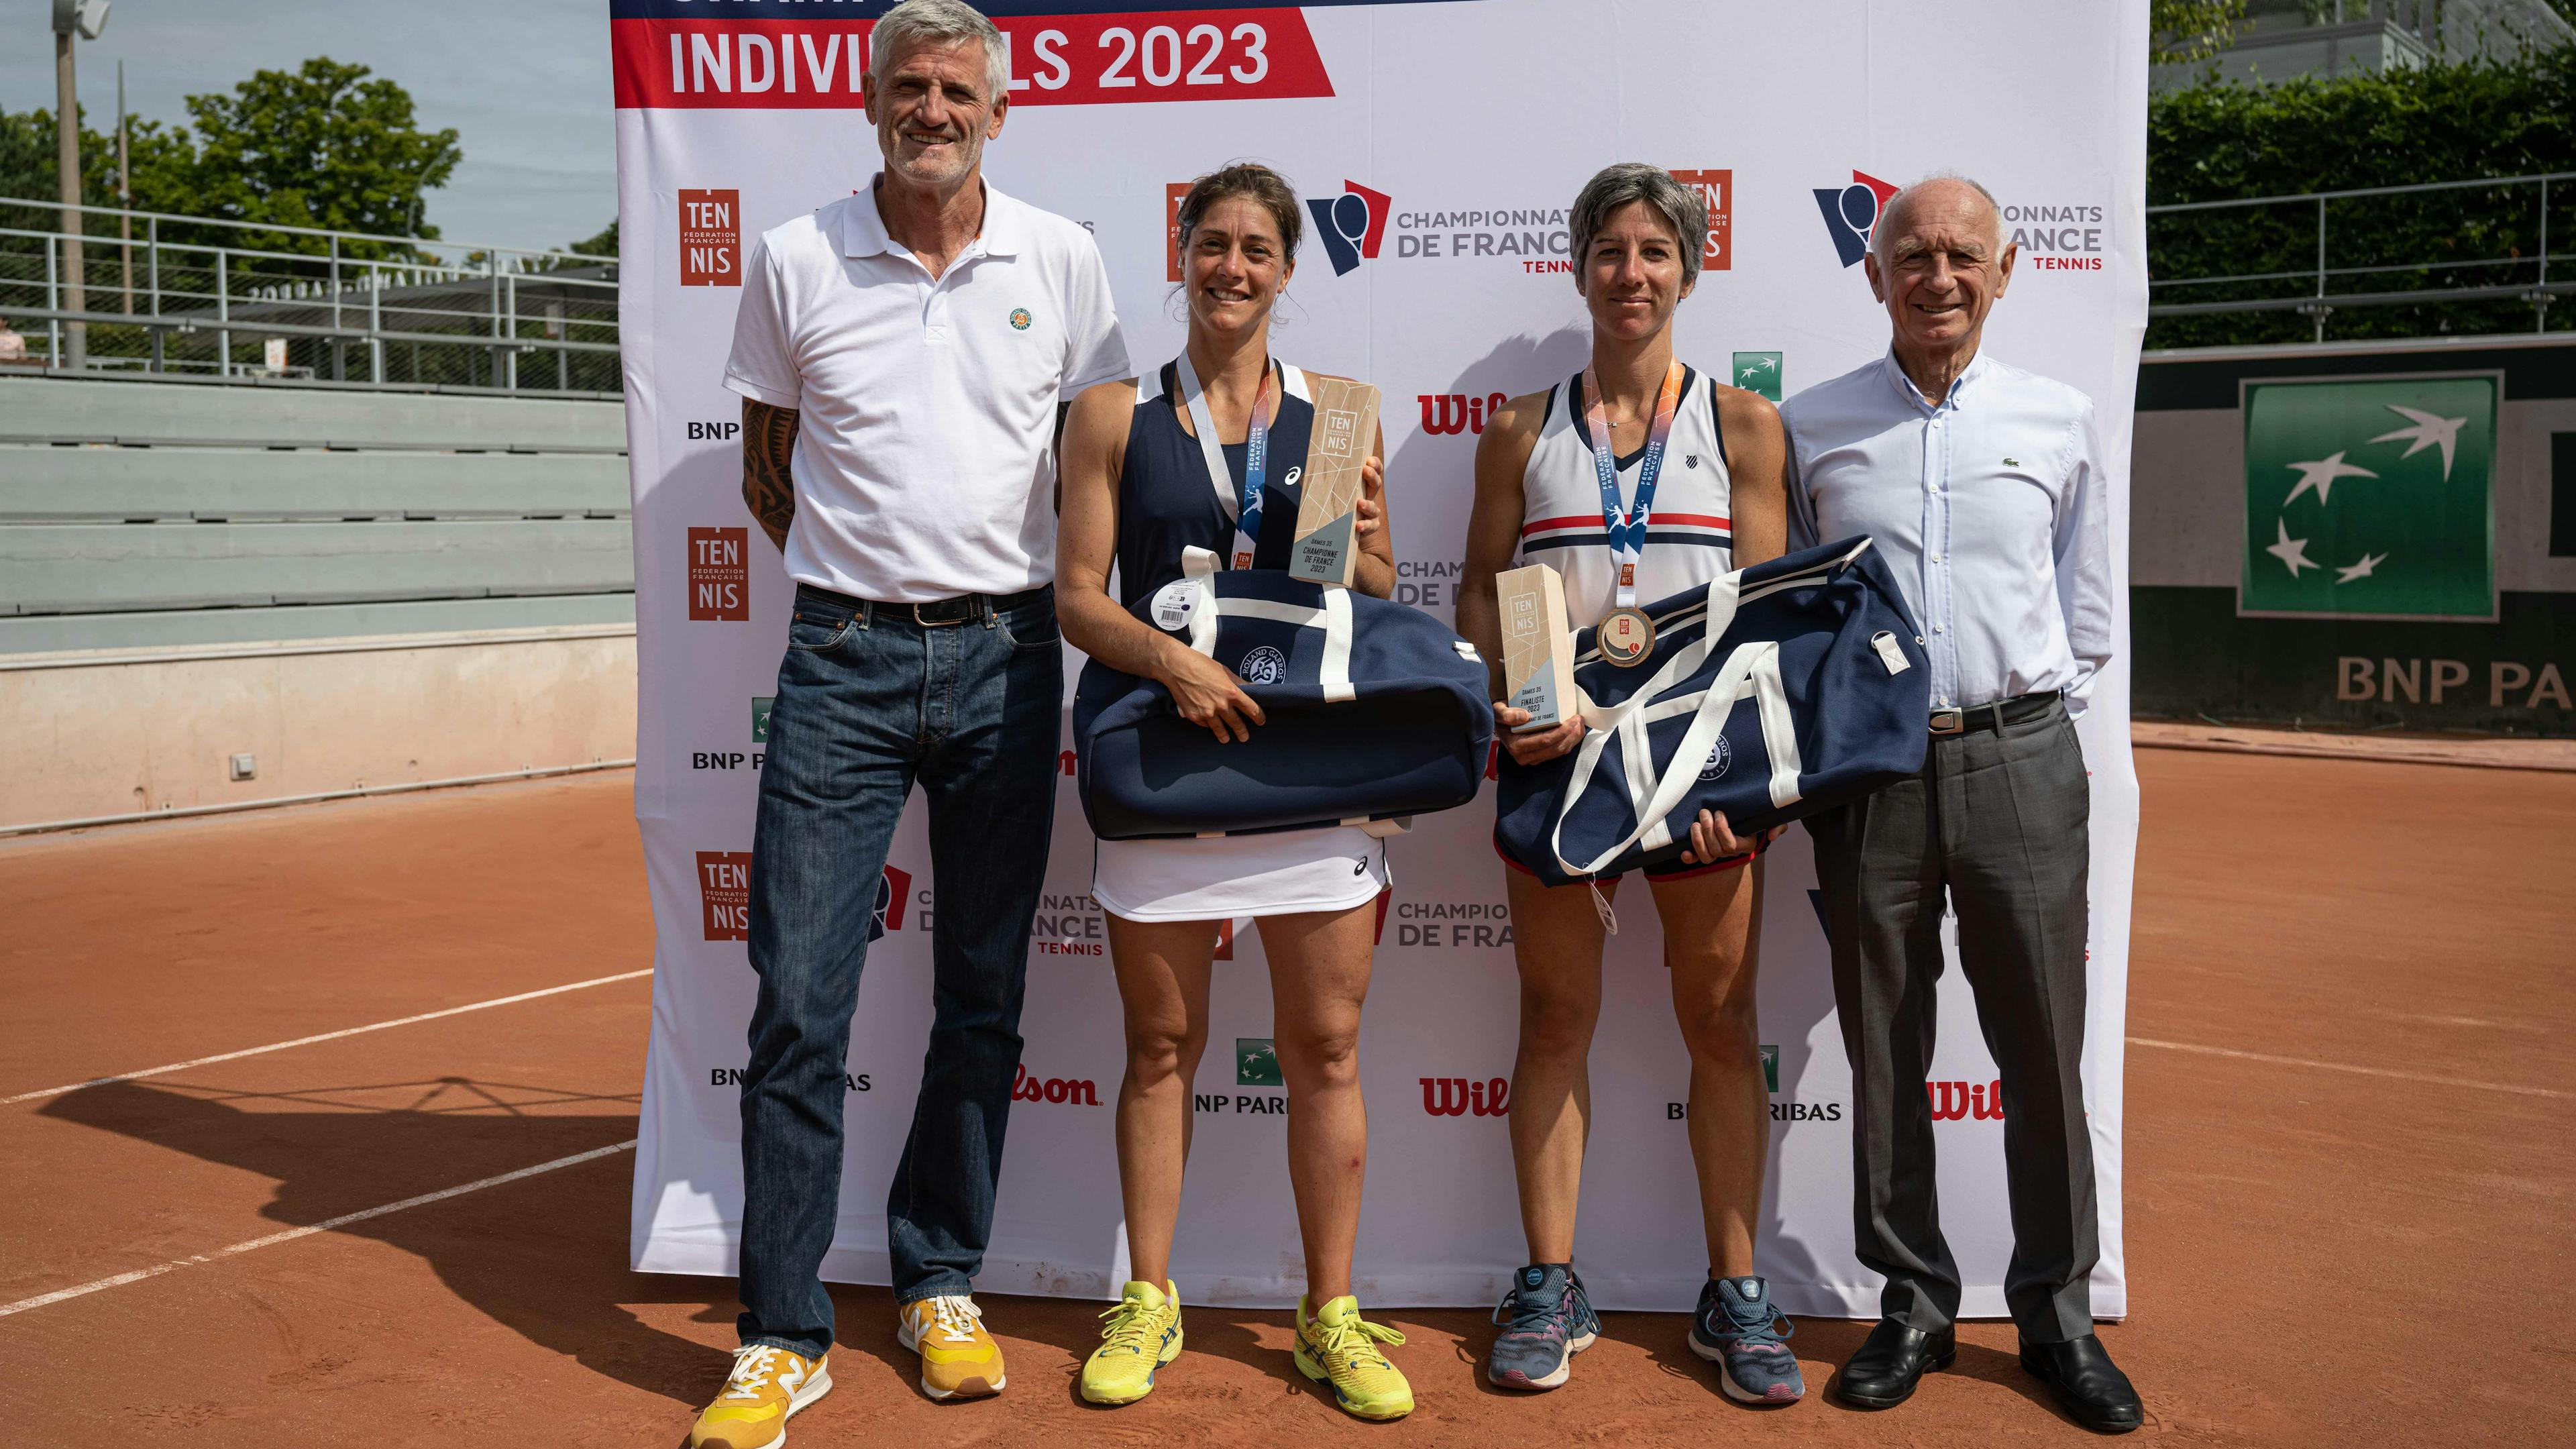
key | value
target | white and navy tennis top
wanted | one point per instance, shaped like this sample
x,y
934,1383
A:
x,y
1689,540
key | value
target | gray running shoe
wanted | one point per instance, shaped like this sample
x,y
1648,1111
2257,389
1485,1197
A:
x,y
1546,1320
1733,1328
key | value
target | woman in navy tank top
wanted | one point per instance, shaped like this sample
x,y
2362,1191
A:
x,y
1205,453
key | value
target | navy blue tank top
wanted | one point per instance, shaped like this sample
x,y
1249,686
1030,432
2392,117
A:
x,y
1166,502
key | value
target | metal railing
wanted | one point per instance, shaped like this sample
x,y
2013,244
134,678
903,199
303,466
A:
x,y
196,295
2274,227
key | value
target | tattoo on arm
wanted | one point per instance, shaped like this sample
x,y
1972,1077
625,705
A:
x,y
768,453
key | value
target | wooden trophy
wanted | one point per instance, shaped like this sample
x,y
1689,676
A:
x,y
1538,646
1324,550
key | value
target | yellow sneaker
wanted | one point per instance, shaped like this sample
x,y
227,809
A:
x,y
767,1387
1144,1333
1338,1347
959,1360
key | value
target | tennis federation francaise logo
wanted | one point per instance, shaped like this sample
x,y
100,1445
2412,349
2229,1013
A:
x,y
2370,497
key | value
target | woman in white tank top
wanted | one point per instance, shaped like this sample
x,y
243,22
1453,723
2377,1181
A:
x,y
1708,500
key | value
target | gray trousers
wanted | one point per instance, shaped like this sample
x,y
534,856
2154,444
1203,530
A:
x,y
1997,824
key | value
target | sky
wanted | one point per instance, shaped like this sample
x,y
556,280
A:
x,y
525,84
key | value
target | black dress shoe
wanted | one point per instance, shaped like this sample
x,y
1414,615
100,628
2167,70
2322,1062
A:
x,y
1882,1372
2092,1388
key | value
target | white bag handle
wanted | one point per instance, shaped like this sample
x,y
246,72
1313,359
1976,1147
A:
x,y
1738,675
1334,618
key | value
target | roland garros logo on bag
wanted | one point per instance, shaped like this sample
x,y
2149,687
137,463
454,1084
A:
x,y
1264,665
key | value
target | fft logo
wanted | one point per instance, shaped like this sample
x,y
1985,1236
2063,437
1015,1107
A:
x,y
1457,1096
894,888
1174,192
1350,225
1956,1101
1455,412
720,574
724,893
1713,188
710,238
1852,211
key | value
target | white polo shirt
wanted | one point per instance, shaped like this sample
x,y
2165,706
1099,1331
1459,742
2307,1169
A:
x,y
924,454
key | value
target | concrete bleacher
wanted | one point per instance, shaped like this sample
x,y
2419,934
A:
x,y
351,588
136,514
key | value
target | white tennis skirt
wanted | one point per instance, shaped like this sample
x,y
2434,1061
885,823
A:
x,y
1286,872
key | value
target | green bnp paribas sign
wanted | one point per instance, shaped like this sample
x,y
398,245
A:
x,y
2372,498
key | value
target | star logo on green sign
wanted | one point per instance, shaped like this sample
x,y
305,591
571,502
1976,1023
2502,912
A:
x,y
1759,372
1255,1064
2345,514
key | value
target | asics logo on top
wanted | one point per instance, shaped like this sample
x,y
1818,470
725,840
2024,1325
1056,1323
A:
x,y
1851,213
1351,224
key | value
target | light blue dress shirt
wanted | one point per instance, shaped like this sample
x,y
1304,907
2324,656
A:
x,y
1988,507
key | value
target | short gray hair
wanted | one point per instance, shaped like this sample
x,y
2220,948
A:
x,y
1615,186
1878,231
917,23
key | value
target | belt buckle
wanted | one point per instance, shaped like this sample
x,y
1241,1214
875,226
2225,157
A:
x,y
1949,721
926,622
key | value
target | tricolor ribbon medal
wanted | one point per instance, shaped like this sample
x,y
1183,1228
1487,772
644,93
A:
x,y
1625,635
1245,508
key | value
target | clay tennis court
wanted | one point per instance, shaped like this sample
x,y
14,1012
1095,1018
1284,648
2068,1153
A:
x,y
2351,1181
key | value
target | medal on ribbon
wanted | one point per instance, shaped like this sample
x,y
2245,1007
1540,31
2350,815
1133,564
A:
x,y
1625,635
1244,508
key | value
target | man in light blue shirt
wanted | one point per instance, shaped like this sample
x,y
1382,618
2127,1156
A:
x,y
1982,485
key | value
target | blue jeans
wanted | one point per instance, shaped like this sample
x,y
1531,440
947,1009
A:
x,y
871,702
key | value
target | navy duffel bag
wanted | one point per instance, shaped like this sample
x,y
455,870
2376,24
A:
x,y
1771,693
1375,711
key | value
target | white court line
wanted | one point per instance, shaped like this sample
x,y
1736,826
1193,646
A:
x,y
2475,1086
326,1036
291,1234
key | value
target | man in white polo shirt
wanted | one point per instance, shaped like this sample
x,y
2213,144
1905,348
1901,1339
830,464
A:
x,y
901,354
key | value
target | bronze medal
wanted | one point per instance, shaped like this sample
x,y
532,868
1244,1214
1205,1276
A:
x,y
1625,637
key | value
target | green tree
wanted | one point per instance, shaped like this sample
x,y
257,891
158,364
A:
x,y
2191,30
2403,126
321,146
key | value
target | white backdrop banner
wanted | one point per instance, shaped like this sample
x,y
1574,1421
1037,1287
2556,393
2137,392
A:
x,y
1438,146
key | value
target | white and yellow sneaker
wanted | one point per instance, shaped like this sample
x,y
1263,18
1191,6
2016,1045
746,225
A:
x,y
959,1360
1144,1333
767,1387
1337,1347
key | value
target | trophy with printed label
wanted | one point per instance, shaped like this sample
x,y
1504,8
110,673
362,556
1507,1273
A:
x,y
1323,550
1538,646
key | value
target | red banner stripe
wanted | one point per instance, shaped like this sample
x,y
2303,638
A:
x,y
1056,60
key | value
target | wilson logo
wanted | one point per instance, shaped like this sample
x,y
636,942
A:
x,y
1455,412
1457,1096
1957,1101
1071,1091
